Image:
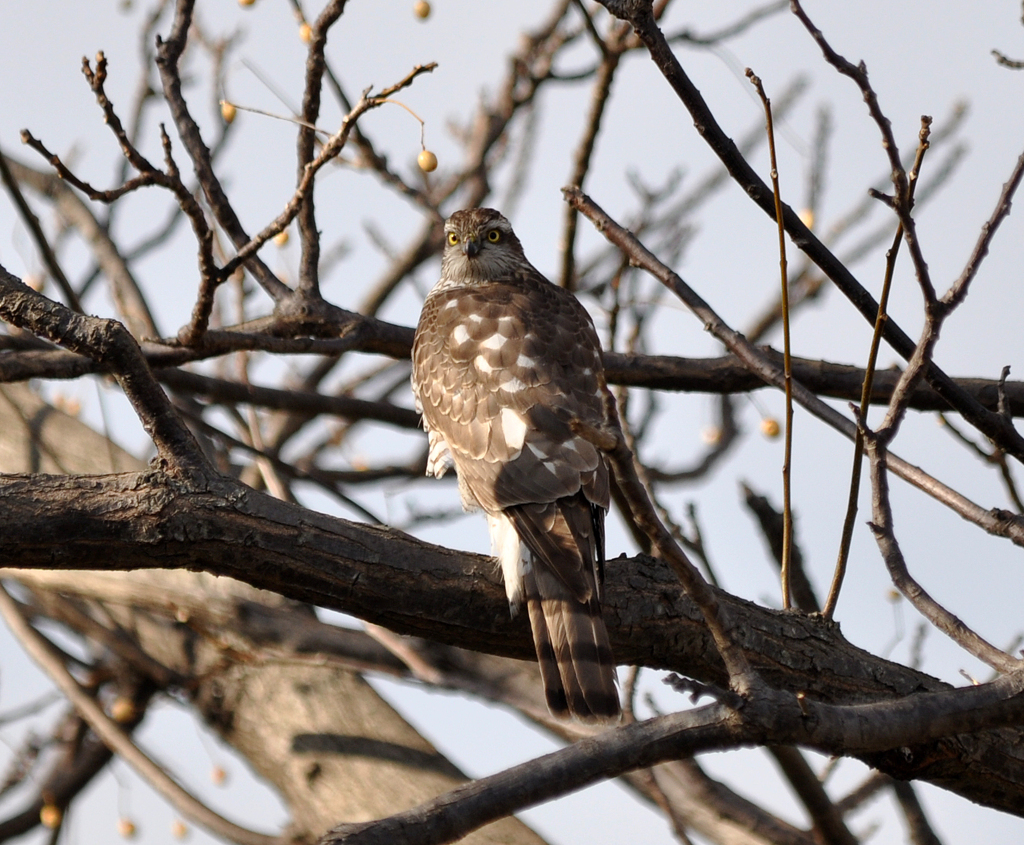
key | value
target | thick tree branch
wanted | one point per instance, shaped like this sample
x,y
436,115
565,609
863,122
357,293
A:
x,y
909,722
721,375
116,739
110,344
386,577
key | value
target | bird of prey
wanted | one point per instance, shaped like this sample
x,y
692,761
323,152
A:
x,y
503,363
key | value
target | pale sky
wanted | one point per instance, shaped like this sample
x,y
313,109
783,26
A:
x,y
923,58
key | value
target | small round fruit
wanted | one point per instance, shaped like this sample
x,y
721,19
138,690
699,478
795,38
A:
x,y
281,238
306,32
126,828
228,111
712,435
427,161
246,2
51,816
179,830
770,427
122,710
421,8
218,775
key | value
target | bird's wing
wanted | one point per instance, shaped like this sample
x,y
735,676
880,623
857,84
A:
x,y
500,370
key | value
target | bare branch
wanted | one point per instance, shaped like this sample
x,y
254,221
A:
x,y
996,522
646,27
110,345
117,740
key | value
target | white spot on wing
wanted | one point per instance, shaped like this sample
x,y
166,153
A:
x,y
495,342
513,429
525,361
513,385
460,335
480,362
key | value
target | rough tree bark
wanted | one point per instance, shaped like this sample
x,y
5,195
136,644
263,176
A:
x,y
328,743
414,588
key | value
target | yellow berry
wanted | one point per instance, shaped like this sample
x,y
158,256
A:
x,y
712,435
218,775
421,8
281,238
807,218
306,32
179,830
51,816
126,828
246,2
122,710
228,111
427,161
770,427
68,404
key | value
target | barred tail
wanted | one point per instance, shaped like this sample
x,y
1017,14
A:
x,y
572,648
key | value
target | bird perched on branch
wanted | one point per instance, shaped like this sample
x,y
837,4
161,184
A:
x,y
506,368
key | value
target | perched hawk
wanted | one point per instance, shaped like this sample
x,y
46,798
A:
x,y
503,360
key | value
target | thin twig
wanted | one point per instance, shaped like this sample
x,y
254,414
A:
x,y
825,815
611,49
787,360
958,290
921,832
168,55
331,148
29,218
902,203
742,677
999,523
882,527
646,27
846,538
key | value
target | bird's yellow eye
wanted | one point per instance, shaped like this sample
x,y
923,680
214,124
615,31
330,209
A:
x,y
453,239
494,236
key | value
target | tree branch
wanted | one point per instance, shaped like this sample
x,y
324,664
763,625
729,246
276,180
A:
x,y
386,577
639,14
117,740
909,722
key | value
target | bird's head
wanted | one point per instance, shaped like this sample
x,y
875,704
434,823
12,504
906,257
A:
x,y
479,246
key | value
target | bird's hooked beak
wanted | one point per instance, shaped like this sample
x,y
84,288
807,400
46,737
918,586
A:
x,y
470,246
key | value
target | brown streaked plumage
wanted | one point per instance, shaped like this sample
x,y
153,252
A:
x,y
502,362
